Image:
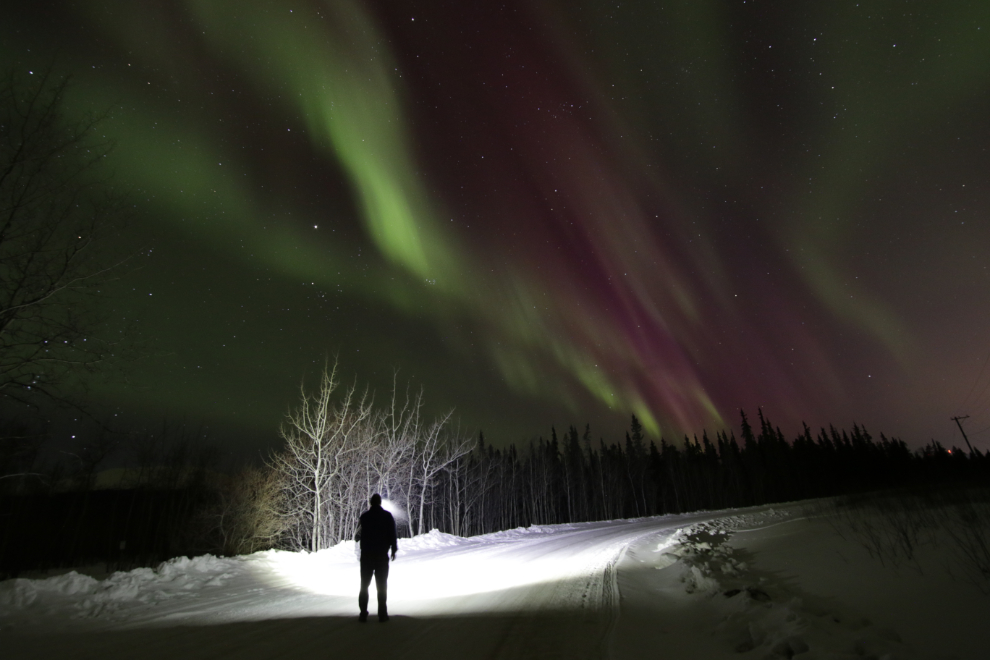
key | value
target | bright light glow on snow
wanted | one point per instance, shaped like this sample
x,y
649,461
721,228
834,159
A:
x,y
330,572
462,575
423,577
438,566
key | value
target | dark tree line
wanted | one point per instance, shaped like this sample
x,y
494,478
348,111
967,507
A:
x,y
176,501
60,515
573,479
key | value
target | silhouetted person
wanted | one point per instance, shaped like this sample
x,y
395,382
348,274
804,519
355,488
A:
x,y
376,534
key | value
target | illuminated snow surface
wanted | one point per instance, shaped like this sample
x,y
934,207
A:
x,y
752,583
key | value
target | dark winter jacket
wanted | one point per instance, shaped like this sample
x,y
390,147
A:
x,y
376,532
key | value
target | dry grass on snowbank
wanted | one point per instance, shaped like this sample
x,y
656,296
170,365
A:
x,y
897,527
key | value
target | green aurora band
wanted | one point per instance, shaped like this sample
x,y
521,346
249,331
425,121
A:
x,y
343,81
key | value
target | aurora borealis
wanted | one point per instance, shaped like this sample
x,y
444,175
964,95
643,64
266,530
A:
x,y
547,212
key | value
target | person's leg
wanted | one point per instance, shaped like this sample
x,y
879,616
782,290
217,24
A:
x,y
381,585
367,568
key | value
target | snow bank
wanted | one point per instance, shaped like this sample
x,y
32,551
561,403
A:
x,y
433,540
19,593
84,596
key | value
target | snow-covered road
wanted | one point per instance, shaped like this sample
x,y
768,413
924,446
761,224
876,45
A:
x,y
590,590
542,591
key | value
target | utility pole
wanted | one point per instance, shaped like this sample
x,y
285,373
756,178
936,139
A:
x,y
958,421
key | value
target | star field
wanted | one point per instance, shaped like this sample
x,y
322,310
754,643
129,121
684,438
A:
x,y
547,213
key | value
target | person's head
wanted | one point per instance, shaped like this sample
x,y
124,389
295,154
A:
x,y
376,500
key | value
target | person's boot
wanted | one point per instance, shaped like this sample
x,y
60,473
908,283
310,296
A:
x,y
382,617
363,617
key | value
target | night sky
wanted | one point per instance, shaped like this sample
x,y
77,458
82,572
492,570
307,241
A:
x,y
545,212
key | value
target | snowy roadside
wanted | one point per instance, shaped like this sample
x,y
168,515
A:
x,y
783,584
78,596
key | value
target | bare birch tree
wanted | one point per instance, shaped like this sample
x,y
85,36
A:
x,y
323,440
338,453
437,450
397,449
